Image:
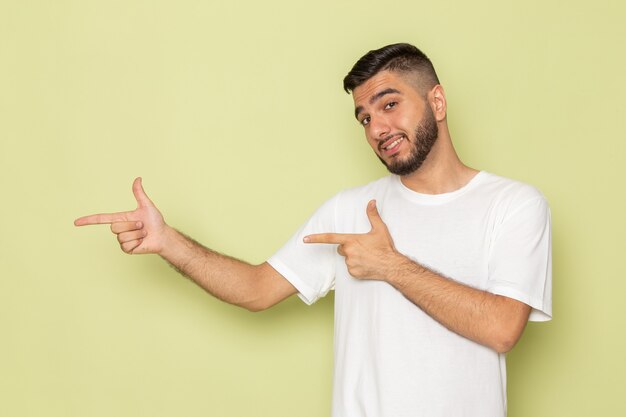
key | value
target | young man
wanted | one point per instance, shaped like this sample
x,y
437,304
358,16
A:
x,y
436,268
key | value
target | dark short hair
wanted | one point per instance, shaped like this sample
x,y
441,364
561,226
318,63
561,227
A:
x,y
399,57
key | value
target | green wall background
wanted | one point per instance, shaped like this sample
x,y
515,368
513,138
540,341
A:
x,y
233,113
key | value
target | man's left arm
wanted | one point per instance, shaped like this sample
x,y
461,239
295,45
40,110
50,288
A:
x,y
492,320
489,319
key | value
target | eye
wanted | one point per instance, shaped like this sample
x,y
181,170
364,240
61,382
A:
x,y
365,121
390,105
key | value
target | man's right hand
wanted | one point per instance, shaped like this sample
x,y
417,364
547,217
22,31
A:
x,y
139,231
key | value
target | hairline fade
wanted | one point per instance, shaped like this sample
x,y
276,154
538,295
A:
x,y
401,58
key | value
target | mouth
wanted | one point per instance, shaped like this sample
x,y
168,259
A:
x,y
392,145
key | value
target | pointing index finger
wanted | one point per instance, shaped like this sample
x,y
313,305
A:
x,y
103,218
334,238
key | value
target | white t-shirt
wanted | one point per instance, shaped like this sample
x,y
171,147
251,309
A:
x,y
392,359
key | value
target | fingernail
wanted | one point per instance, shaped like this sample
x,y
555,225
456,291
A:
x,y
306,239
139,224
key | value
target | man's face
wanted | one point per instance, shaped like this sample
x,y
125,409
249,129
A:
x,y
399,124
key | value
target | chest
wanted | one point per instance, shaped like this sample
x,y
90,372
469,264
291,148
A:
x,y
453,240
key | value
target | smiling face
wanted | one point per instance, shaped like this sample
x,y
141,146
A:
x,y
399,123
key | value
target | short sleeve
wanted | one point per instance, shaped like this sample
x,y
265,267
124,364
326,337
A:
x,y
520,260
309,267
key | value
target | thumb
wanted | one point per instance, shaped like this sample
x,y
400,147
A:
x,y
372,214
140,194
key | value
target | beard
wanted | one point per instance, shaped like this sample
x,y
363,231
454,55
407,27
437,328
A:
x,y
424,138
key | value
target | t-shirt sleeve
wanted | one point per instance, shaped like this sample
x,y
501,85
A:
x,y
309,267
520,261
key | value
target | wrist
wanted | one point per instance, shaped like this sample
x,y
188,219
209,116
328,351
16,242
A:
x,y
169,235
402,268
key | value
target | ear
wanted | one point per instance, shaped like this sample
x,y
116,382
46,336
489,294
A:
x,y
437,101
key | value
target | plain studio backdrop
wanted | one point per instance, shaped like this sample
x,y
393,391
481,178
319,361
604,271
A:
x,y
234,115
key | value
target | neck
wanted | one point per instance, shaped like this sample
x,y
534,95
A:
x,y
442,171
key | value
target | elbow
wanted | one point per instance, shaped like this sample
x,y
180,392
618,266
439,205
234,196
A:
x,y
505,340
507,331
266,288
261,302
255,306
256,302
503,345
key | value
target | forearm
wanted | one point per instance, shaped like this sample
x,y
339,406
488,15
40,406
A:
x,y
229,279
491,320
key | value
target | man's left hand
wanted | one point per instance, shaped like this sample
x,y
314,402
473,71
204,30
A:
x,y
370,255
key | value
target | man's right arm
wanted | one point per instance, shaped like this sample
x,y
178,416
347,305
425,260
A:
x,y
254,287
143,230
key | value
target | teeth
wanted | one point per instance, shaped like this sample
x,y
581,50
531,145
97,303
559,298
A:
x,y
394,143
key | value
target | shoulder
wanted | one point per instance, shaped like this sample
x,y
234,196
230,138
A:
x,y
372,190
349,204
350,199
355,199
506,189
512,198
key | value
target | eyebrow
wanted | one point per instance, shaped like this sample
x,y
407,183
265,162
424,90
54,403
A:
x,y
376,97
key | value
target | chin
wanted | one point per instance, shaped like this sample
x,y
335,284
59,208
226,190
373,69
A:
x,y
403,166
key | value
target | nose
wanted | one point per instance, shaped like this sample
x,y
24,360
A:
x,y
379,127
